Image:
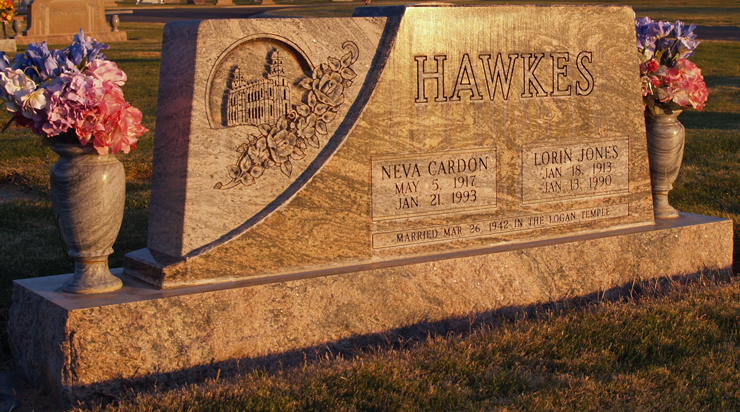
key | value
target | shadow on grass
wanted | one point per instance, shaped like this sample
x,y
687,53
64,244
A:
x,y
709,120
108,393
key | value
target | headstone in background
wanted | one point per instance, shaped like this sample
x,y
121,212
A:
x,y
7,42
57,21
325,179
7,45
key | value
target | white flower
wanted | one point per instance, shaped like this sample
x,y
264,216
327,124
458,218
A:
x,y
14,84
33,102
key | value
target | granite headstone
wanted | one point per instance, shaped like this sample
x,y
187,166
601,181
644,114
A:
x,y
292,153
57,21
325,179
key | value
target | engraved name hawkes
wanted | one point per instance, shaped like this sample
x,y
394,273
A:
x,y
499,75
286,131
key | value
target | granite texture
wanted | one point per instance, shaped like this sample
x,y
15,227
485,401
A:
x,y
57,21
463,128
8,45
75,345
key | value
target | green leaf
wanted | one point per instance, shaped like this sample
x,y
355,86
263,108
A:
x,y
83,63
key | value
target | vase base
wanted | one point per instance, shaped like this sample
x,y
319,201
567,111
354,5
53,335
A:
x,y
90,278
661,208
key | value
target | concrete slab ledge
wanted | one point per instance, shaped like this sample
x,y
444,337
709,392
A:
x,y
74,345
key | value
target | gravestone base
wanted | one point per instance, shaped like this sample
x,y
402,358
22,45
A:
x,y
7,45
61,39
76,345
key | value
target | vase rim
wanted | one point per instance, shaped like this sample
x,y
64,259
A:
x,y
662,113
72,148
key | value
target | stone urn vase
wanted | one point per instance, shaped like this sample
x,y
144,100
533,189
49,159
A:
x,y
88,191
665,143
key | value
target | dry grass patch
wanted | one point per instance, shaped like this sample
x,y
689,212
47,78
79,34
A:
x,y
670,346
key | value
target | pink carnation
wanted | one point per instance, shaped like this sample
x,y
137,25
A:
x,y
121,123
89,124
107,70
686,79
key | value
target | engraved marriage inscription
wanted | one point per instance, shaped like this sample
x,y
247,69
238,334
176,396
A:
x,y
433,183
283,132
570,170
494,227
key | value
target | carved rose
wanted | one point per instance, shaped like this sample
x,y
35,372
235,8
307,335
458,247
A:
x,y
281,142
329,89
259,152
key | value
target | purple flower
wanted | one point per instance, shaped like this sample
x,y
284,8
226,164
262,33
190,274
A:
x,y
83,47
686,40
664,41
660,29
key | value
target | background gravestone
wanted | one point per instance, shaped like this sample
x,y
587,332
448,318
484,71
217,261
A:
x,y
57,21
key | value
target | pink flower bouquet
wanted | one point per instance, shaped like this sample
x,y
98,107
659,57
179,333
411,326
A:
x,y
669,80
73,96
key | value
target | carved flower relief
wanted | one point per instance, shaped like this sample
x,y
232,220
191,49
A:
x,y
259,155
307,130
329,89
287,139
281,142
242,171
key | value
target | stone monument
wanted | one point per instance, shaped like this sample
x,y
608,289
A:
x,y
57,21
322,179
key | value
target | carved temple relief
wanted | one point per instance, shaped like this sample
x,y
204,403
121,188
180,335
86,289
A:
x,y
280,103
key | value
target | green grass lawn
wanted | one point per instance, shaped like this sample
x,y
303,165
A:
x,y
672,349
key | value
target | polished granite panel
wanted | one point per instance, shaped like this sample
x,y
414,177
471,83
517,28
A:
x,y
292,145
